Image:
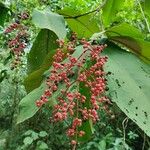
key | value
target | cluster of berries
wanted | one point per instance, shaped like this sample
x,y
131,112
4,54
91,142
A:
x,y
18,38
76,105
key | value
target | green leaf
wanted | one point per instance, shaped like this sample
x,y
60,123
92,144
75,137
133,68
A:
x,y
124,29
129,85
35,78
35,135
131,38
4,12
29,132
42,146
27,106
40,58
110,10
28,140
44,43
43,134
49,20
84,26
138,46
102,145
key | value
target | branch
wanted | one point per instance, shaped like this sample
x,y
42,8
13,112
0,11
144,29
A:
x,y
78,16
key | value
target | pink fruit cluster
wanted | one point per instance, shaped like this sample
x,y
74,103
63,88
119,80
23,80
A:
x,y
18,38
76,105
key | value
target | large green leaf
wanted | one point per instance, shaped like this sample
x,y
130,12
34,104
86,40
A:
x,y
124,29
49,20
40,58
110,10
3,14
27,106
35,78
130,37
138,46
84,26
44,43
129,85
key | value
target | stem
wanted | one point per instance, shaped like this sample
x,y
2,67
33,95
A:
x,y
143,146
124,125
74,147
87,71
79,67
69,87
78,16
148,142
146,21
